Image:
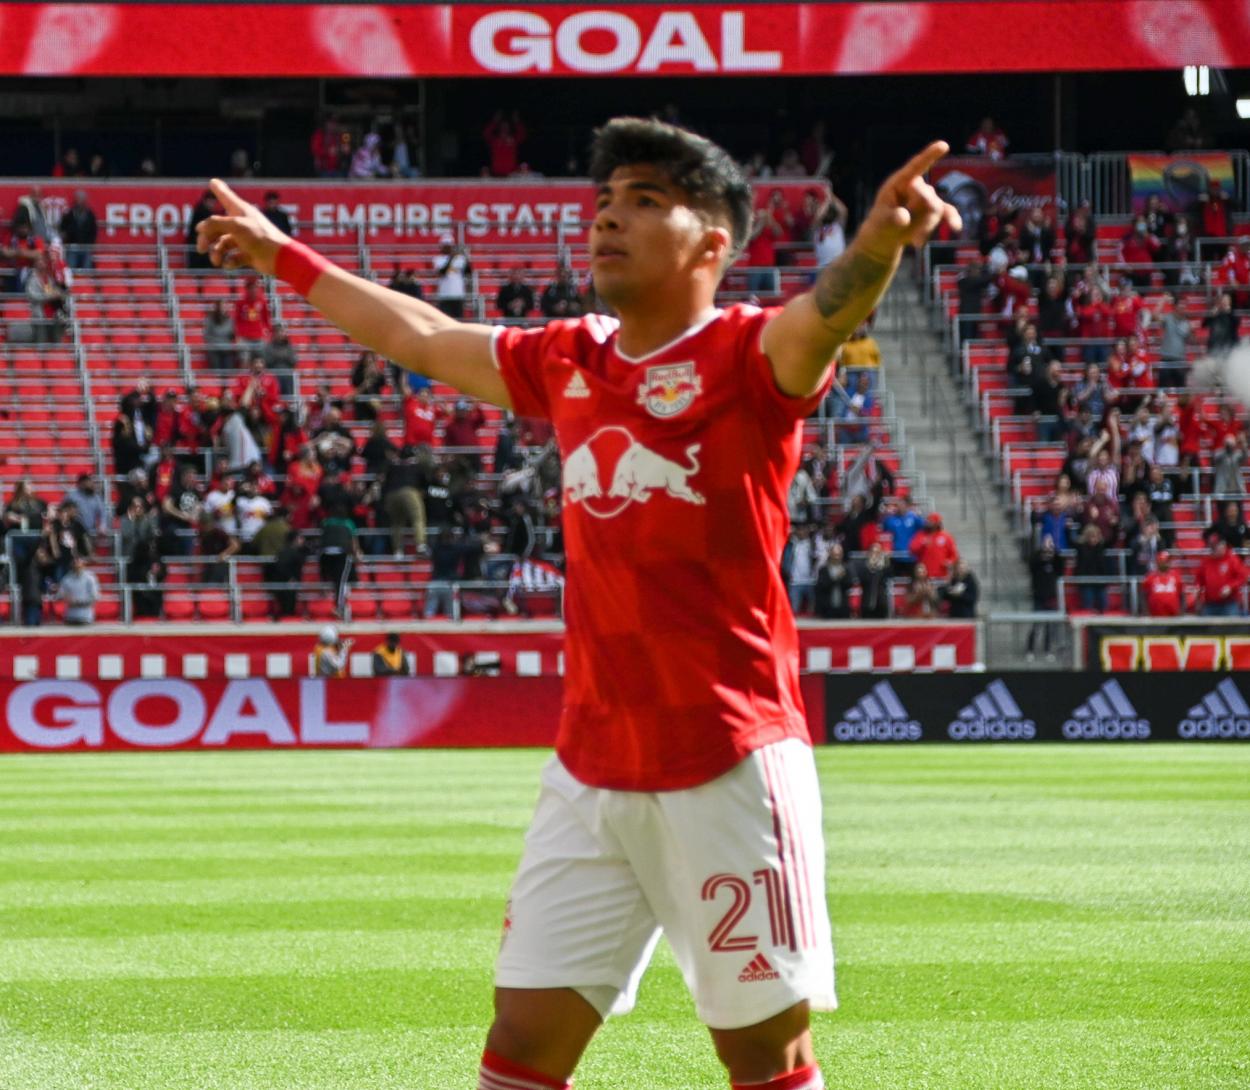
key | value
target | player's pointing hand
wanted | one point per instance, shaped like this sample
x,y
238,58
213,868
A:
x,y
242,236
907,209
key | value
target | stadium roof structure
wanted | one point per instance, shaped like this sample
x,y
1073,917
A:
x,y
638,39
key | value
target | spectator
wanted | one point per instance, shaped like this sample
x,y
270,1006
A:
x,y
935,548
251,317
874,580
389,659
1162,493
961,592
761,251
138,530
1227,462
1045,568
504,137
452,269
25,510
1054,316
215,546
1145,545
333,443
286,572
368,385
1221,576
255,387
1162,591
78,232
829,231
1139,248
466,421
798,568
520,536
30,214
79,590
206,206
1103,509
1095,322
1222,325
406,283
287,440
219,346
757,168
70,165
971,287
790,165
330,147
129,437
854,409
920,603
280,360
405,141
239,445
1053,523
65,536
377,449
1091,563
445,560
47,300
515,298
1187,134
1051,403
340,551
91,509
1230,525
180,513
560,298
273,211
861,355
989,140
833,586
403,502
1092,393
420,417
1080,237
35,578
330,653
802,498
1213,214
1180,252
251,513
1130,314
367,160
1027,364
902,522
1235,271
148,597
1176,335
1036,238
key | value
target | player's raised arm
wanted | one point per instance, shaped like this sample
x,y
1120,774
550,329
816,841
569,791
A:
x,y
801,340
414,334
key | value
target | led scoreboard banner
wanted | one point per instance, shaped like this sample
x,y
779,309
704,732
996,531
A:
x,y
651,39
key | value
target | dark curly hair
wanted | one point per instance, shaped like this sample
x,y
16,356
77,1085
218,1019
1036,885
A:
x,y
706,172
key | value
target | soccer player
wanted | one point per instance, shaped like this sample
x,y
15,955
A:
x,y
683,793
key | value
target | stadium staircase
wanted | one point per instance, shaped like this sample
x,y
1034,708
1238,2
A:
x,y
945,444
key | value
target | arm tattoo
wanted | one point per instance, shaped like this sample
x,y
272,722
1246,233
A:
x,y
848,289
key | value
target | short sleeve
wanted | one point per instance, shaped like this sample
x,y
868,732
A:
x,y
520,355
762,385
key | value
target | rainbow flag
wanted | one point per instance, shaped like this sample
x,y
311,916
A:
x,y
1178,179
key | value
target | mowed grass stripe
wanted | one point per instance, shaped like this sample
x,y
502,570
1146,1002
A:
x,y
270,951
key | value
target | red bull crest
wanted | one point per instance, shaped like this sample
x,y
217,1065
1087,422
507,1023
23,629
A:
x,y
669,389
612,469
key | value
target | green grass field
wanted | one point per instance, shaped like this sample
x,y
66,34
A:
x,y
1025,918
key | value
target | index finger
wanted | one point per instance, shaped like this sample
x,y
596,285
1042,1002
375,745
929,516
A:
x,y
230,200
919,164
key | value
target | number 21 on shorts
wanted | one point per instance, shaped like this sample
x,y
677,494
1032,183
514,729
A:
x,y
723,937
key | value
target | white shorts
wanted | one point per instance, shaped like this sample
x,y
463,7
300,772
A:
x,y
732,871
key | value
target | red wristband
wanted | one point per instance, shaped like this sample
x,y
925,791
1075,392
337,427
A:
x,y
299,266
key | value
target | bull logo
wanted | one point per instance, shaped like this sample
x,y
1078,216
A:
x,y
669,389
633,472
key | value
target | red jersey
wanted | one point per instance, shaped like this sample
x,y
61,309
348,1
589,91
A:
x,y
936,550
1163,593
251,319
682,652
419,419
1221,577
1236,266
1127,311
1095,320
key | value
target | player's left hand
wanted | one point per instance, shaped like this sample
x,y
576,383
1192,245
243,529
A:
x,y
907,209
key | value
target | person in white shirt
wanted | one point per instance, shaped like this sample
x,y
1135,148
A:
x,y
250,511
452,270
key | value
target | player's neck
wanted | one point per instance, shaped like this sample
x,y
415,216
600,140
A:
x,y
646,328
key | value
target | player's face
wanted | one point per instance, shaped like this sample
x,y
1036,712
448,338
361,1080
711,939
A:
x,y
646,236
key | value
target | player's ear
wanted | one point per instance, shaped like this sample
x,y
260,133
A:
x,y
717,244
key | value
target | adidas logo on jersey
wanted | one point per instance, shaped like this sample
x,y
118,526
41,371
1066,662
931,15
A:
x,y
1107,716
577,386
878,716
994,716
758,969
1222,713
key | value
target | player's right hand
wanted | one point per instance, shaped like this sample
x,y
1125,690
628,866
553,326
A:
x,y
241,237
